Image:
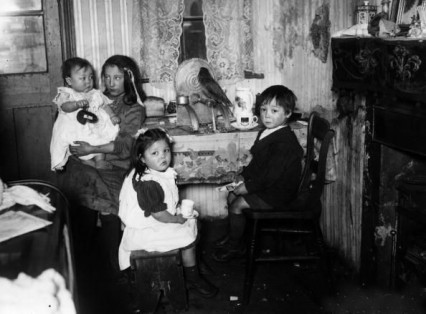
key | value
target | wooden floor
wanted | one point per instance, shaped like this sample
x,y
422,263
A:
x,y
278,288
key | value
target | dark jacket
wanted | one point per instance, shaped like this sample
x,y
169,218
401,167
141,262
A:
x,y
274,172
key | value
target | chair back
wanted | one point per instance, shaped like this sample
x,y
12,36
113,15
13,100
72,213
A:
x,y
313,175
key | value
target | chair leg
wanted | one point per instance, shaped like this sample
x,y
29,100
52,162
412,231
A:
x,y
325,260
248,280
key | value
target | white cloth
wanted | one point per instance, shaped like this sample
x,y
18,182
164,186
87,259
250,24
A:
x,y
270,131
147,233
24,195
46,294
67,129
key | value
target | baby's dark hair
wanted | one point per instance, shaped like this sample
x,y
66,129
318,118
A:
x,y
76,63
125,63
284,97
142,143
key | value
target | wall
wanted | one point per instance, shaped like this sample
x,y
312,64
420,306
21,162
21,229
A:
x,y
284,53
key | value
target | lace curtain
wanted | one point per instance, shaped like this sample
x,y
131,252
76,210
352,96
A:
x,y
157,27
229,38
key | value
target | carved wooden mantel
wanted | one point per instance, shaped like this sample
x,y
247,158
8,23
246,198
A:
x,y
391,74
394,70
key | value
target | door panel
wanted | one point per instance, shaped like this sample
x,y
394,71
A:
x,y
27,110
33,127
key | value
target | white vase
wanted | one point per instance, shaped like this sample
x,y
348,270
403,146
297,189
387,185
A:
x,y
244,101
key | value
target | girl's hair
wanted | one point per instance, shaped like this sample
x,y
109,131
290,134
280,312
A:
x,y
284,97
124,64
76,63
142,143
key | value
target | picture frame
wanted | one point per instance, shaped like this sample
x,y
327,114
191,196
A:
x,y
403,11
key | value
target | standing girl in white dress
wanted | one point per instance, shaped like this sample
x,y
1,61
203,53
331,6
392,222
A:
x,y
149,209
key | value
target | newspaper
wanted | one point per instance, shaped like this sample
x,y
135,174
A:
x,y
16,223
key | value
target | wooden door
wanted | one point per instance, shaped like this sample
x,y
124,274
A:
x,y
26,109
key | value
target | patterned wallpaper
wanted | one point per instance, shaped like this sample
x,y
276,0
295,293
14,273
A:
x,y
103,28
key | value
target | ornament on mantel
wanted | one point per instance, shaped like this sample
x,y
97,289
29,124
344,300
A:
x,y
365,13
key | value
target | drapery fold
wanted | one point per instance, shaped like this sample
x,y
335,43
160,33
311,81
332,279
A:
x,y
157,28
229,39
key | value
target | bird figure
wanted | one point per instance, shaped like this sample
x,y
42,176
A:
x,y
213,92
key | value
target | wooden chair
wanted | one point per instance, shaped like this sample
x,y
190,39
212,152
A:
x,y
158,274
301,217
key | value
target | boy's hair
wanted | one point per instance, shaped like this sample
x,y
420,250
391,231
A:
x,y
125,63
142,143
76,63
284,97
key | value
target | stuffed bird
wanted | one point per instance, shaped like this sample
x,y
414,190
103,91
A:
x,y
212,90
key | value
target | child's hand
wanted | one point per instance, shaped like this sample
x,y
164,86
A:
x,y
80,149
115,120
84,103
238,179
240,189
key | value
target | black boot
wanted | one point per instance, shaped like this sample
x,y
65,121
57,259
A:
x,y
197,284
234,246
205,268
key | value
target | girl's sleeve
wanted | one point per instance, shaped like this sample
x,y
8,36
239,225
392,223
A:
x,y
131,122
150,197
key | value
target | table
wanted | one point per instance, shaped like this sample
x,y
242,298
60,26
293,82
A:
x,y
216,158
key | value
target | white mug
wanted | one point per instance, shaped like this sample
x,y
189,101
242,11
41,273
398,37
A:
x,y
187,208
246,119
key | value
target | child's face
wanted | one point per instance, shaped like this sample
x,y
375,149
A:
x,y
273,115
158,156
81,80
114,80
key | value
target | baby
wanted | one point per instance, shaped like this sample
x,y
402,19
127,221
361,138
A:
x,y
97,125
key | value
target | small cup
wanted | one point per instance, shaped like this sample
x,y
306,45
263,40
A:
x,y
246,119
182,100
187,208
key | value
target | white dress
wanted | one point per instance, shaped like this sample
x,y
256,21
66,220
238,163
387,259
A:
x,y
67,129
147,233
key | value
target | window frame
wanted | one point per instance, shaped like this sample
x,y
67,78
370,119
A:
x,y
25,13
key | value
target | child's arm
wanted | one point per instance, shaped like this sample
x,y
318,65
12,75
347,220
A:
x,y
71,106
114,118
165,217
151,200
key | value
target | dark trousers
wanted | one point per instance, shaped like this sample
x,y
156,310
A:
x,y
95,249
110,237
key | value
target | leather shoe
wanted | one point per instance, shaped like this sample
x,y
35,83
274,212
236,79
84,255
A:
x,y
222,242
202,287
226,254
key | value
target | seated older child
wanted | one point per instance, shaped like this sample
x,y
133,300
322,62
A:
x,y
272,176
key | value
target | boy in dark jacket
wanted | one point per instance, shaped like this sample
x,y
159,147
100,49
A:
x,y
271,178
